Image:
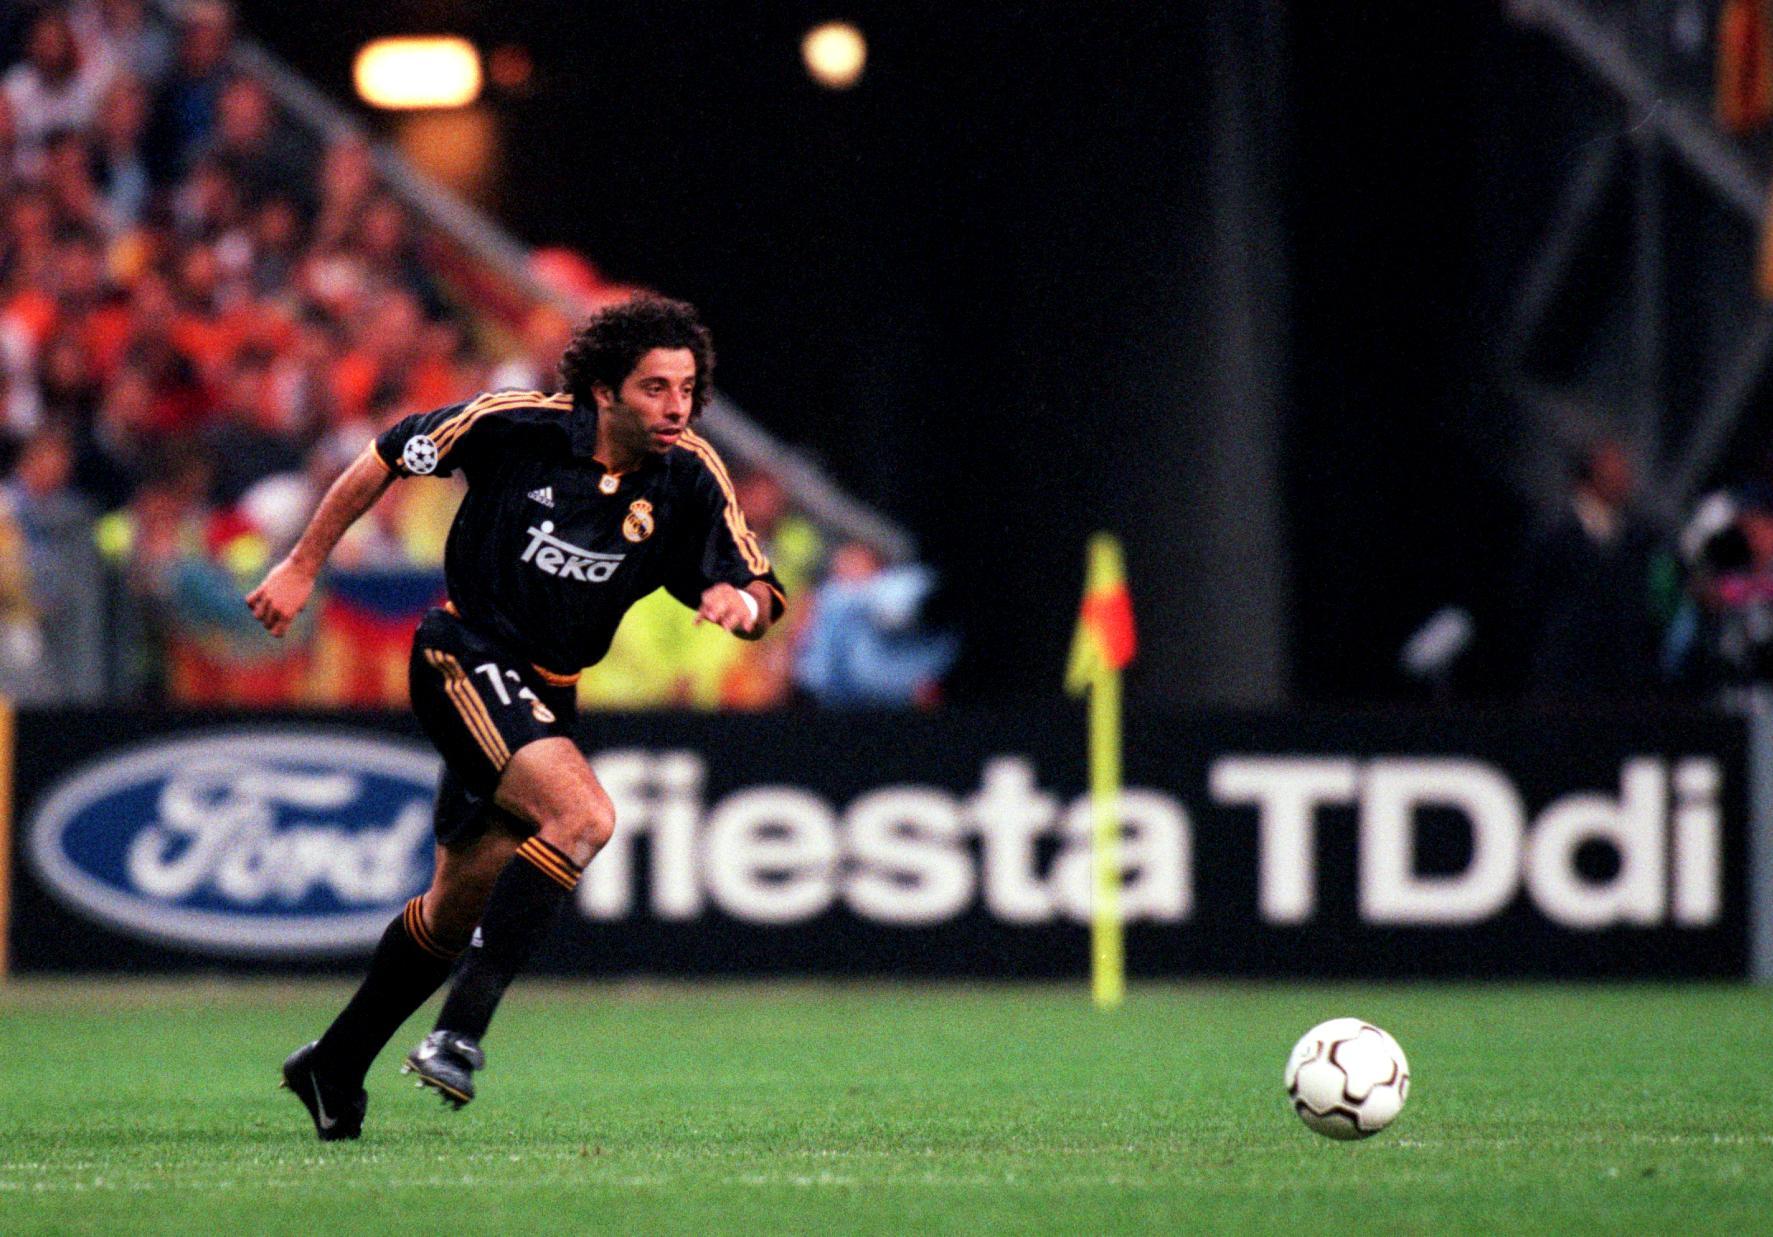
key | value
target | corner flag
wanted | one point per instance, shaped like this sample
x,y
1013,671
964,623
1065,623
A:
x,y
1105,642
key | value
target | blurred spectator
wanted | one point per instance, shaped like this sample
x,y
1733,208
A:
x,y
244,437
279,505
791,541
261,156
1722,638
111,459
62,571
28,245
276,244
19,409
56,88
661,659
69,386
546,333
374,369
22,672
67,177
122,171
1588,595
185,110
347,178
9,149
762,672
164,518
298,384
207,203
384,241
443,366
87,304
182,563
864,644
120,31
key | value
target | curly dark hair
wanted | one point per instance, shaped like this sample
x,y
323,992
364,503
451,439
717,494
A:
x,y
610,344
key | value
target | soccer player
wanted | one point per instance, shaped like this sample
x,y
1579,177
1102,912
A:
x,y
578,504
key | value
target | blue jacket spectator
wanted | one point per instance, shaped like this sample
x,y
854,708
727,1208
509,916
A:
x,y
864,644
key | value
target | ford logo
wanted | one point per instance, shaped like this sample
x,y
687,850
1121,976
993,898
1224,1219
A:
x,y
285,843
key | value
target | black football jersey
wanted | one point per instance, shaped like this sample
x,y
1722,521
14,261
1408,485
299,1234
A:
x,y
549,549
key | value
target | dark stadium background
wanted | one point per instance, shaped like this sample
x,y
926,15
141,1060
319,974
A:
x,y
980,286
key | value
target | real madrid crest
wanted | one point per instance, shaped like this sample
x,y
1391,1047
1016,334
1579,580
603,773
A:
x,y
638,526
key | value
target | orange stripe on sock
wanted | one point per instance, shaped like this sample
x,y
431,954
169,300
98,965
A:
x,y
551,863
421,935
564,876
555,853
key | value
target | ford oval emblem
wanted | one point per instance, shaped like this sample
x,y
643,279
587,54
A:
x,y
276,843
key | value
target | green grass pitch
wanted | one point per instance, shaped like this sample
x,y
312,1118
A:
x,y
894,1109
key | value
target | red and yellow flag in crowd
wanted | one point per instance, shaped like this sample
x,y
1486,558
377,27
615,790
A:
x,y
1104,644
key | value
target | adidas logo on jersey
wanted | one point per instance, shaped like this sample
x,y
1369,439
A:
x,y
545,495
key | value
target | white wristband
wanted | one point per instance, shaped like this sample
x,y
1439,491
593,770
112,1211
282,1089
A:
x,y
751,601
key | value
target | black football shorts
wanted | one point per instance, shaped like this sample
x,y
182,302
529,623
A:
x,y
479,703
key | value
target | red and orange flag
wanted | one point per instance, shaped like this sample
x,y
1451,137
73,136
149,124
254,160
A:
x,y
1105,638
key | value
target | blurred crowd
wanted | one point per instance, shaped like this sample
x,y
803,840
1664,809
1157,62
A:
x,y
205,312
1617,606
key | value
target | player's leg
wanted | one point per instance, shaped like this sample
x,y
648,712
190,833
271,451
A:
x,y
456,707
417,952
548,784
415,955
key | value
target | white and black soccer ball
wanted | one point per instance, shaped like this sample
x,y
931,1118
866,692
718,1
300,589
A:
x,y
1347,1079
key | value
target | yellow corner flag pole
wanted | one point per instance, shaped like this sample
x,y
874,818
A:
x,y
1100,650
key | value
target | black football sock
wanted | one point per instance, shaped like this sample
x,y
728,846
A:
x,y
520,913
409,965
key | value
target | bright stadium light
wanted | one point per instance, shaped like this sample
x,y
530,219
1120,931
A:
x,y
431,71
835,54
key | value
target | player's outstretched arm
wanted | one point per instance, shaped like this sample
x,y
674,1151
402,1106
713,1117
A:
x,y
725,605
286,588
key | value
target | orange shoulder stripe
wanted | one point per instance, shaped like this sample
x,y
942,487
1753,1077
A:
x,y
495,401
743,537
464,420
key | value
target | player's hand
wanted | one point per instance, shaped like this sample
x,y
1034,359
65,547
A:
x,y
277,601
723,605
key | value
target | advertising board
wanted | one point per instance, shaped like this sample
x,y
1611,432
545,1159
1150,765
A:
x,y
1373,845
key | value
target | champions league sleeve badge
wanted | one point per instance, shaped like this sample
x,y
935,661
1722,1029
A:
x,y
419,455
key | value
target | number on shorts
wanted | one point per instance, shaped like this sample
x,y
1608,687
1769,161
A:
x,y
542,712
492,674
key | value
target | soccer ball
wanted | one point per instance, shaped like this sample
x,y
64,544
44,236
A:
x,y
1347,1078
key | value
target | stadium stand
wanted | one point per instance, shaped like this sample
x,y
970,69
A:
x,y
213,291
